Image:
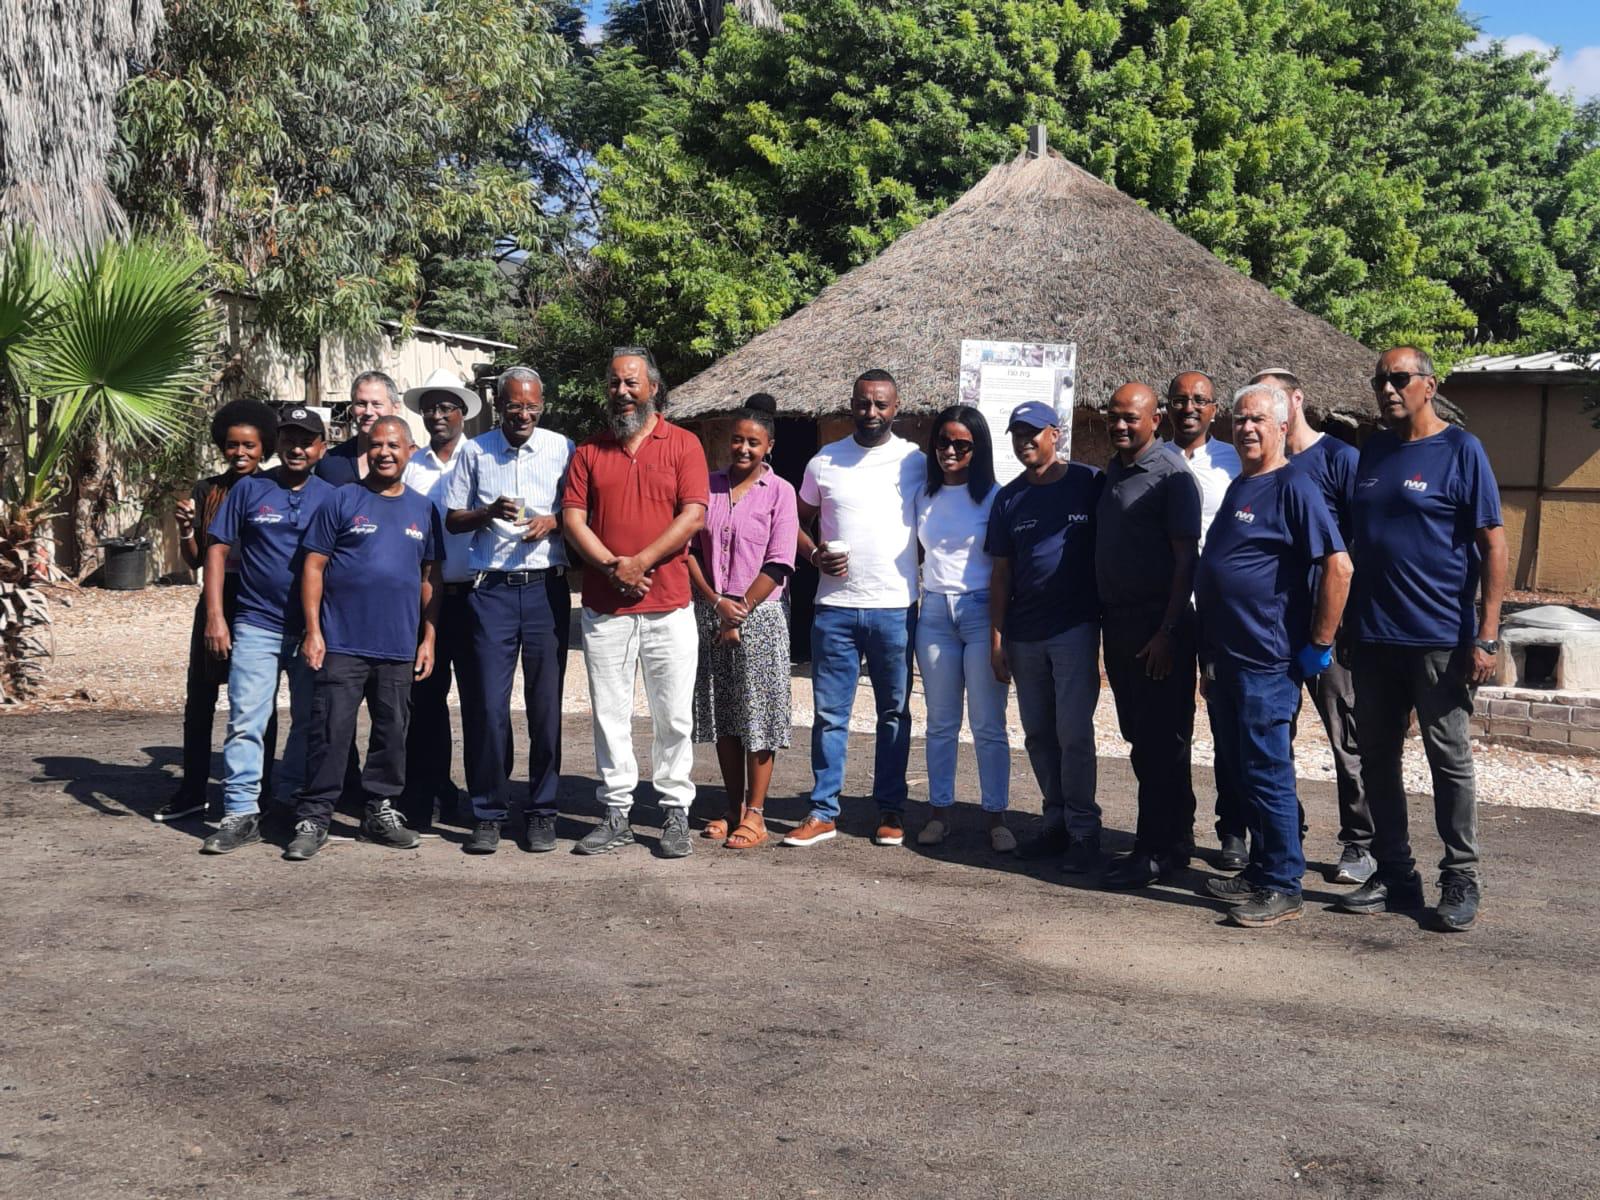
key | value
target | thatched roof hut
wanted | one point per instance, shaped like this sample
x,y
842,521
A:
x,y
1039,250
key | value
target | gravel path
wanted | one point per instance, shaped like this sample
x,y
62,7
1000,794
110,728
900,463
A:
x,y
128,650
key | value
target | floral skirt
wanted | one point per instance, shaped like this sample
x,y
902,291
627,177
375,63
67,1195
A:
x,y
742,691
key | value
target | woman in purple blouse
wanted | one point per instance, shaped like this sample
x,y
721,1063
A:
x,y
740,567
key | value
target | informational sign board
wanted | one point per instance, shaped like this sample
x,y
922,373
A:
x,y
998,376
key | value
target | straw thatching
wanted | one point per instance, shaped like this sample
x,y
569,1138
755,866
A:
x,y
62,66
1039,250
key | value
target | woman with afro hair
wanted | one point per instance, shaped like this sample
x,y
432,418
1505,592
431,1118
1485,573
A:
x,y
245,435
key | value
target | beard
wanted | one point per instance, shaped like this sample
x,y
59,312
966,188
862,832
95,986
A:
x,y
625,425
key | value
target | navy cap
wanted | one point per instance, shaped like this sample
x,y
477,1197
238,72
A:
x,y
1035,414
300,417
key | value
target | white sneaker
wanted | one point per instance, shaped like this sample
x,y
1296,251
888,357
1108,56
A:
x,y
1002,839
934,832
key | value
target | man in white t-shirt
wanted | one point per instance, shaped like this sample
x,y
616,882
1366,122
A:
x,y
1192,406
860,491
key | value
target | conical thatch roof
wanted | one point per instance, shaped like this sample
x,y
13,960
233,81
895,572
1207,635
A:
x,y
1039,250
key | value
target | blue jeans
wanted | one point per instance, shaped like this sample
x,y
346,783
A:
x,y
1250,716
839,639
953,659
259,656
1058,686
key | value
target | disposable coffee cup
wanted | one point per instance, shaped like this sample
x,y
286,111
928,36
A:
x,y
836,547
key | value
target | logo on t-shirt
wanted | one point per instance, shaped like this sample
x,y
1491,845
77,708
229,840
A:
x,y
413,532
1023,525
1369,482
266,515
362,525
1244,514
1075,518
1416,483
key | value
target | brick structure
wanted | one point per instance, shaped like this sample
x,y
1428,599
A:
x,y
1537,719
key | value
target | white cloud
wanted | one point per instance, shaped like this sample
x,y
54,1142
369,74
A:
x,y
1577,71
593,32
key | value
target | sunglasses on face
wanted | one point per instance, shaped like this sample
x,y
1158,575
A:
x,y
442,406
959,447
1398,380
1189,401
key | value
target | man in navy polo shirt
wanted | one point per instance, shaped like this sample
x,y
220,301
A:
x,y
1427,538
266,516
370,591
1261,634
1044,613
1331,465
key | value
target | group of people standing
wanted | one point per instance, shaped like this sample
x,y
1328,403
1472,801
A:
x,y
375,570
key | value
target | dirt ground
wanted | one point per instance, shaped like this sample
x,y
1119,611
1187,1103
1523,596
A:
x,y
842,1021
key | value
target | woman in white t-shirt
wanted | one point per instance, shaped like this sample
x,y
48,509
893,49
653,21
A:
x,y
954,638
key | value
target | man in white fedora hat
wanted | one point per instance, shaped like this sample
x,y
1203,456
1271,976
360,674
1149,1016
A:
x,y
445,405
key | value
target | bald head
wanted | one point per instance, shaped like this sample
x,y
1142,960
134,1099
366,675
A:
x,y
1132,417
398,425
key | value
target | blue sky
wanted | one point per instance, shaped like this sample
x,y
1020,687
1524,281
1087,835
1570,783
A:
x,y
1573,26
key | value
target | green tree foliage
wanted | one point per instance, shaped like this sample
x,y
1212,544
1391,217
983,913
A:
x,y
325,152
1355,155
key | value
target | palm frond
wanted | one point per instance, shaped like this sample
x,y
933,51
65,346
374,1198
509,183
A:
x,y
26,283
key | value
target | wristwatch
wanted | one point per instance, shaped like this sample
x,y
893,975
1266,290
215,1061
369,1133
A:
x,y
1490,648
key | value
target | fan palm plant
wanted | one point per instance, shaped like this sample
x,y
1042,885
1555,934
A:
x,y
112,343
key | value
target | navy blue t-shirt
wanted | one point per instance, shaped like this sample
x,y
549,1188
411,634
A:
x,y
371,587
1418,507
1252,587
1047,531
268,523
1331,465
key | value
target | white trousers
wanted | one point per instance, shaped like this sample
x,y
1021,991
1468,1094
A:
x,y
666,646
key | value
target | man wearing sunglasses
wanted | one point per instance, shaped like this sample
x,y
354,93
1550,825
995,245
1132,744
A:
x,y
1426,539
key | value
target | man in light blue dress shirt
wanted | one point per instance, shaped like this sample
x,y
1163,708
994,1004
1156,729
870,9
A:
x,y
445,405
506,493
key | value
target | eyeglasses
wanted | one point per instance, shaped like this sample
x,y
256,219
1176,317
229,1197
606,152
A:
x,y
960,447
441,406
1399,380
520,410
1190,401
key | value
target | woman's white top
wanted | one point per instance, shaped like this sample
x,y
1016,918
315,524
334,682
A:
x,y
951,528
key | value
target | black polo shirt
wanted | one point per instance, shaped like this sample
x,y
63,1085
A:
x,y
1145,506
338,465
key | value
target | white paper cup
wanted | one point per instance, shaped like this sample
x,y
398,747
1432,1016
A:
x,y
836,547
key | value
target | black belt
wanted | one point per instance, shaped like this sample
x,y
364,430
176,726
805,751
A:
x,y
518,578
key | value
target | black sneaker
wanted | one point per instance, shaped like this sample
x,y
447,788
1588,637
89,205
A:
x,y
1083,859
1267,908
1355,865
1458,903
241,830
183,803
1234,890
1050,842
675,834
612,833
485,838
1235,854
1379,895
1136,870
309,837
384,826
540,837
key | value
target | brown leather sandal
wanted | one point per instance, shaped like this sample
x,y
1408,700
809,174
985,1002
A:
x,y
716,830
752,832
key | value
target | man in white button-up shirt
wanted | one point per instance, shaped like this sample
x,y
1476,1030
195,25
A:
x,y
506,493
445,405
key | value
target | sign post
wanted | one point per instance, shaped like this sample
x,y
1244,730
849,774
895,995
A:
x,y
998,376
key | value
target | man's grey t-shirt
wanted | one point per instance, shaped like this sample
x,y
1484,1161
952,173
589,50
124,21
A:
x,y
1145,507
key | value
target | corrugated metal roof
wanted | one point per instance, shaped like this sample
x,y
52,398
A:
x,y
1553,360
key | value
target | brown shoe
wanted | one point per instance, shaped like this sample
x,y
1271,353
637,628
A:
x,y
810,831
891,832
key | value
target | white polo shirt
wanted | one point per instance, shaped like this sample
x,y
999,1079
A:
x,y
425,473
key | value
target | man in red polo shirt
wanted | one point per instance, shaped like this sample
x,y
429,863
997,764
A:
x,y
636,495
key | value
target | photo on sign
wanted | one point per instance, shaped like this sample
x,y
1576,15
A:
x,y
998,376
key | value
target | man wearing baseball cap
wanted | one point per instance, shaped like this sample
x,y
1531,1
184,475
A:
x,y
266,516
445,406
1044,615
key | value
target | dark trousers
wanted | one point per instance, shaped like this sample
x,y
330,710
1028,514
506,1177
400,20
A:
x,y
1156,717
1334,694
512,615
1391,682
429,744
1250,716
205,678
343,683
